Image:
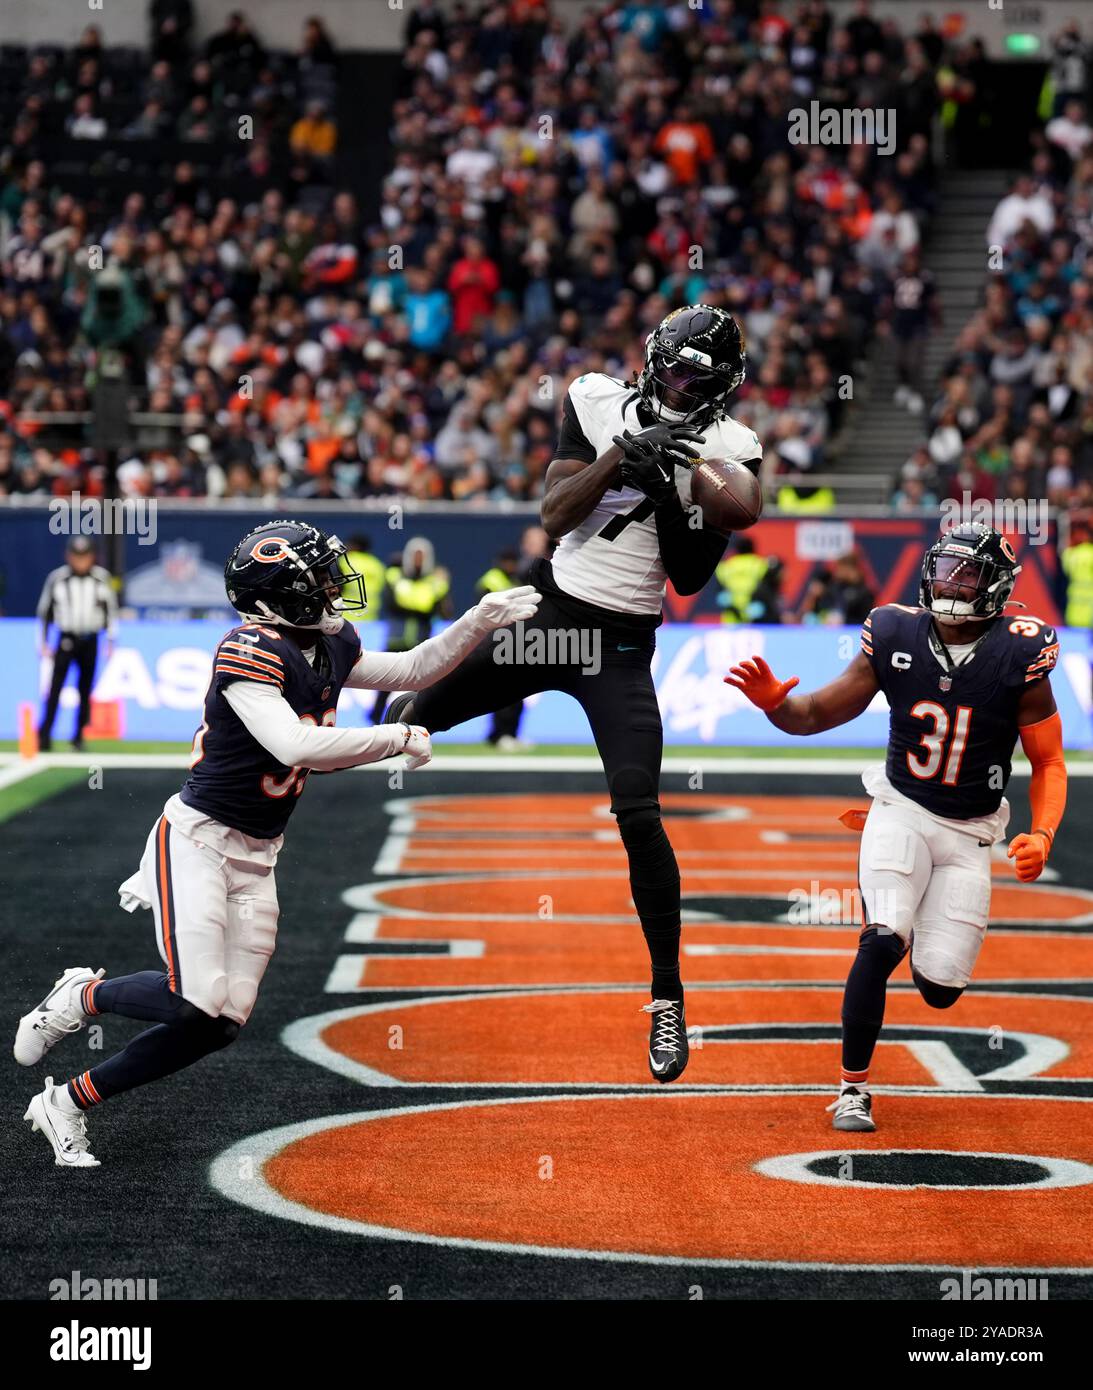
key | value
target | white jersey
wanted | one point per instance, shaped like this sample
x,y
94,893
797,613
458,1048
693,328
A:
x,y
613,558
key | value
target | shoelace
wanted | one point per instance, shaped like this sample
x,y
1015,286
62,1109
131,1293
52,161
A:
x,y
55,1029
76,1139
851,1104
666,1028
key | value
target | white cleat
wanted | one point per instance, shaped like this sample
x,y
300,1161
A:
x,y
57,1015
853,1110
67,1133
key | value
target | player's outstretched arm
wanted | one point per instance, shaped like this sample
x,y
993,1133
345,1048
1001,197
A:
x,y
834,704
1041,732
269,718
434,658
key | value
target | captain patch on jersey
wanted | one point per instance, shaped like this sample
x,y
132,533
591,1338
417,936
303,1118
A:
x,y
954,722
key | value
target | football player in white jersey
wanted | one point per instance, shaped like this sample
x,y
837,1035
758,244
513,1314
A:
x,y
617,495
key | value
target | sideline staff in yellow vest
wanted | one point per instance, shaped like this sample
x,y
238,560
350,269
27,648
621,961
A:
x,y
417,593
739,575
1077,563
363,561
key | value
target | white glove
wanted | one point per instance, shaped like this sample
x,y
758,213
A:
x,y
508,606
418,746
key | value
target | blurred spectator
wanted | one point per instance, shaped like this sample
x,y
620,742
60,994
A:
x,y
840,595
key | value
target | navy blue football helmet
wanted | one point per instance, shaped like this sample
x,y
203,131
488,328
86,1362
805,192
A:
x,y
968,574
291,573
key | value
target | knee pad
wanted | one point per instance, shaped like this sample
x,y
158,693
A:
x,y
214,1033
884,949
242,992
223,1030
639,825
937,996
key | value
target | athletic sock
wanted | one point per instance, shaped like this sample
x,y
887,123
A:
x,y
63,1099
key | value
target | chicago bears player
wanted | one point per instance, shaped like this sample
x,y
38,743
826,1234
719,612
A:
x,y
208,866
616,494
963,680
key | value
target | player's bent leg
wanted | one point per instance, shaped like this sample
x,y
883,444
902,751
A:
x,y
491,677
59,1112
894,868
251,937
951,923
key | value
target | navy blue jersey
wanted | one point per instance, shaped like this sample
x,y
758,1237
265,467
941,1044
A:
x,y
233,779
951,733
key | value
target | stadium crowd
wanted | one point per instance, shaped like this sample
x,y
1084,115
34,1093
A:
x,y
551,195
1012,418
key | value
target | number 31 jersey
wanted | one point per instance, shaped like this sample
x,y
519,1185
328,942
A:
x,y
613,558
952,732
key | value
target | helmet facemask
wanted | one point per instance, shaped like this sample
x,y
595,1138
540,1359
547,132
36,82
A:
x,y
678,388
315,591
964,587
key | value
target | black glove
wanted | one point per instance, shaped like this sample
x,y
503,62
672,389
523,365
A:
x,y
649,458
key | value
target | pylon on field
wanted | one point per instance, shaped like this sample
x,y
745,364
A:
x,y
28,732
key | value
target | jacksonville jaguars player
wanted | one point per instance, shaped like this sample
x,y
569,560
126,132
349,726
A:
x,y
617,494
963,680
208,866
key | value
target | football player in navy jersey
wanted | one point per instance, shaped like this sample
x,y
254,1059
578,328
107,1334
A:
x,y
208,867
963,680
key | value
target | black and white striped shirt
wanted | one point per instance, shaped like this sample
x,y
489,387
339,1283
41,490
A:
x,y
79,603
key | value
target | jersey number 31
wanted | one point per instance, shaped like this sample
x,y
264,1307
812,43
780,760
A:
x,y
928,764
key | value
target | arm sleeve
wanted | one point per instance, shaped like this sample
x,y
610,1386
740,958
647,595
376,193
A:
x,y
690,556
1043,744
573,443
425,664
269,718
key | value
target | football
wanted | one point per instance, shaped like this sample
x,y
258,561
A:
x,y
728,493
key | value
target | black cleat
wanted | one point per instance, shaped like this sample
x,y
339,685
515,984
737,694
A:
x,y
668,1047
395,712
45,743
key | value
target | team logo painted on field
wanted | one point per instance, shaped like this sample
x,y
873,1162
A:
x,y
980,1161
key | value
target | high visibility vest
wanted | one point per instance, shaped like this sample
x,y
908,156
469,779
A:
x,y
495,581
739,576
789,500
412,596
373,571
1077,563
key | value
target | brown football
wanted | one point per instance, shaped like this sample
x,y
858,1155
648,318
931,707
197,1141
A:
x,y
728,493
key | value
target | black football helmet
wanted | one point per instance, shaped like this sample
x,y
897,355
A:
x,y
968,574
694,361
290,573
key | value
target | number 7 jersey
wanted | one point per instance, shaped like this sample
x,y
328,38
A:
x,y
612,559
952,731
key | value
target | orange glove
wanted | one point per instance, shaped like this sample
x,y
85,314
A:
x,y
759,683
1030,852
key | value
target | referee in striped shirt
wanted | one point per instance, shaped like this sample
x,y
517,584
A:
x,y
79,600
